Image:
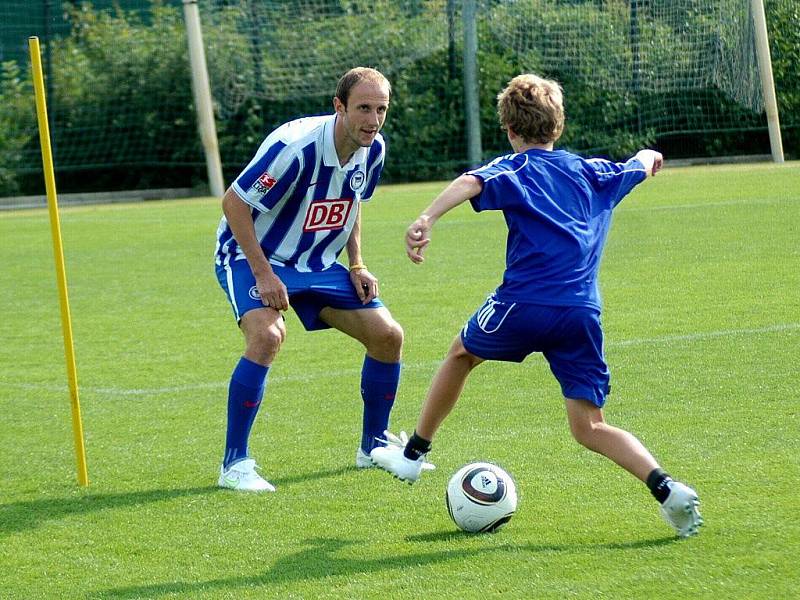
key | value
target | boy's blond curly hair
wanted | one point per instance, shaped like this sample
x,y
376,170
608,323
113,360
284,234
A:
x,y
533,108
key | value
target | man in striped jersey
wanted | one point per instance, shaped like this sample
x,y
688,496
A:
x,y
558,209
287,217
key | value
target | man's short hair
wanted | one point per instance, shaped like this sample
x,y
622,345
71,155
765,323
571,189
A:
x,y
355,76
533,108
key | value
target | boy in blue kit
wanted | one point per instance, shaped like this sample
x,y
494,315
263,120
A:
x,y
558,210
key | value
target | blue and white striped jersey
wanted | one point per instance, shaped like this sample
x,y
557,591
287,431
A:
x,y
304,204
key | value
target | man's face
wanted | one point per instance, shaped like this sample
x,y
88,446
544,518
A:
x,y
365,112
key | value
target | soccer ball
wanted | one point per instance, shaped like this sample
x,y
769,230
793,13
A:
x,y
481,497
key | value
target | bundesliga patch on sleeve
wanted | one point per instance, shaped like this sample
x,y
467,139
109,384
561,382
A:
x,y
263,184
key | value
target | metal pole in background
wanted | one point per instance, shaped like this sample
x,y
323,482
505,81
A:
x,y
471,101
636,75
202,97
48,64
767,82
451,40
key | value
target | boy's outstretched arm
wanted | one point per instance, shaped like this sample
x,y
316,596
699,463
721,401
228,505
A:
x,y
418,233
653,161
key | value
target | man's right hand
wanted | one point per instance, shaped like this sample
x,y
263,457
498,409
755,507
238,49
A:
x,y
272,291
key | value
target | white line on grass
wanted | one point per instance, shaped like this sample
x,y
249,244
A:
x,y
668,339
428,365
637,207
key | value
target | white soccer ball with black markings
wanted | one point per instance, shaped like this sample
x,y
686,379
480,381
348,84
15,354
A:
x,y
481,497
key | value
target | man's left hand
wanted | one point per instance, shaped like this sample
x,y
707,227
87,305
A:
x,y
366,285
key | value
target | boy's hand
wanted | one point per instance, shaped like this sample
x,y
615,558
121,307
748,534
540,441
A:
x,y
417,238
653,161
658,162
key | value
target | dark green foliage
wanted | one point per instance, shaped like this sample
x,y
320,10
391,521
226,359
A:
x,y
112,74
425,129
783,19
17,117
123,111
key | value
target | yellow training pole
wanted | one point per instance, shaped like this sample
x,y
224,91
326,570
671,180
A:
x,y
58,250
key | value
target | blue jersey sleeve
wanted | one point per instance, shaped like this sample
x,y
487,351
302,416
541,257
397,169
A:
x,y
613,181
500,184
270,175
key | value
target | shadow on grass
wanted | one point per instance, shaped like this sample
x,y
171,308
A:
x,y
280,481
25,515
447,536
21,516
320,562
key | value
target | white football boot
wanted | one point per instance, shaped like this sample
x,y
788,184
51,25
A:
x,y
363,460
242,476
391,458
680,509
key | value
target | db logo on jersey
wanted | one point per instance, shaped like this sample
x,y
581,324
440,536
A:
x,y
327,214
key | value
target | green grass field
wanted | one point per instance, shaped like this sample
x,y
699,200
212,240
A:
x,y
701,281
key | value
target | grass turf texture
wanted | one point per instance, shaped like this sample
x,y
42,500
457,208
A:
x,y
702,315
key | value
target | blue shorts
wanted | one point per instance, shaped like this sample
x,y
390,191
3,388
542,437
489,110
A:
x,y
569,337
309,293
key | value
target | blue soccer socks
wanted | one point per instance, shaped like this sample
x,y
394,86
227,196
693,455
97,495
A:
x,y
379,382
244,398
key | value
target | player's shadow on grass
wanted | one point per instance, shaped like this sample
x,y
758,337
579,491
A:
x,y
319,561
302,478
446,536
25,515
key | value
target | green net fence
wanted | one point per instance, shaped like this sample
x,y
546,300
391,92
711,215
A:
x,y
680,75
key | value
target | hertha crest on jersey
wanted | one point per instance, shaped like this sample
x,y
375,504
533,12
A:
x,y
357,180
263,184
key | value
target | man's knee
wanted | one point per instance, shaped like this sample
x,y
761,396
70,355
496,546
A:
x,y
269,339
386,338
393,335
264,337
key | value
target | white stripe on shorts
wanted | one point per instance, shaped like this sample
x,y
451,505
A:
x,y
231,293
